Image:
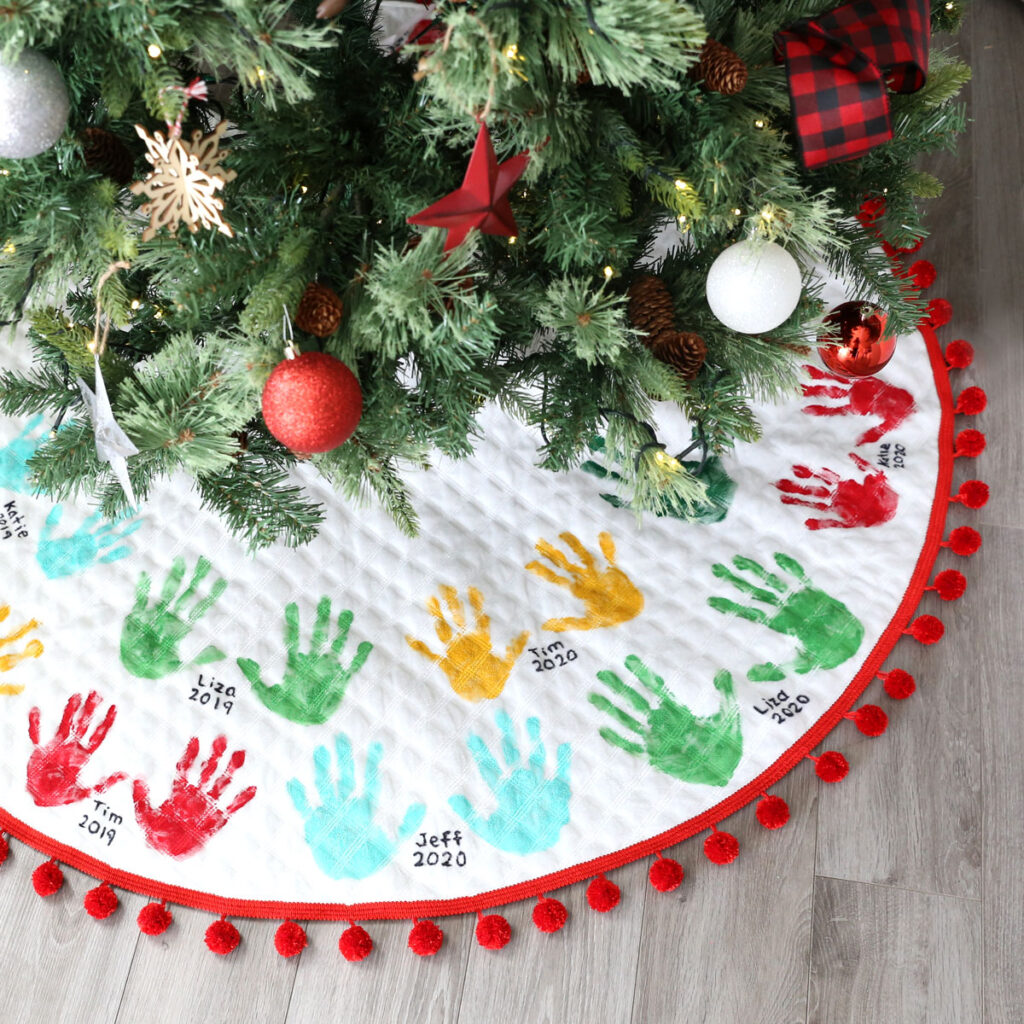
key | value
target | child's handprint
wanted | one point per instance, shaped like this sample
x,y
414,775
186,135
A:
x,y
532,808
345,841
314,682
702,750
866,396
150,636
53,770
8,661
91,544
15,454
473,669
827,631
190,815
852,503
608,595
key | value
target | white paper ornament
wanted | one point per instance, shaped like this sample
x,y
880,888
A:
x,y
33,105
112,443
753,286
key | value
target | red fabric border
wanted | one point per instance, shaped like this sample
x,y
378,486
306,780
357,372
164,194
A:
x,y
579,872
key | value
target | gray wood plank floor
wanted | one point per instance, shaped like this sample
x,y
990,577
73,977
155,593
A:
x,y
896,897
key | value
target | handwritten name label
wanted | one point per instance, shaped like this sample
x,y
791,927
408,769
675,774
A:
x,y
213,694
102,822
12,523
892,456
782,707
555,655
433,851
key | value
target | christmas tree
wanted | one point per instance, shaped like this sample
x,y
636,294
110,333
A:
x,y
516,202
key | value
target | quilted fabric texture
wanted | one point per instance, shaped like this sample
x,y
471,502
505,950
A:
x,y
538,681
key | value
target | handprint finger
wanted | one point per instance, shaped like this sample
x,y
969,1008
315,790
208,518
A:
x,y
820,505
104,784
742,585
19,633
235,762
723,683
346,766
484,760
830,476
115,554
476,602
546,574
563,759
557,558
202,607
84,719
580,551
464,809
320,627
455,606
291,630
617,686
861,464
538,755
240,801
70,710
297,792
649,679
509,746
52,519
421,648
5,610
99,734
140,797
141,593
171,584
441,627
343,626
627,721
607,546
251,670
201,571
789,487
220,744
756,569
727,607
612,737
184,765
33,726
325,785
362,653
802,472
371,780
793,567
411,822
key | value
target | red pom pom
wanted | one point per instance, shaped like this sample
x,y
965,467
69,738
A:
x,y
971,401
666,874
493,931
926,629
972,493
154,919
5,848
964,541
355,944
47,878
603,894
290,939
898,684
772,811
831,766
721,847
870,210
922,272
938,313
100,902
312,403
909,250
425,938
959,354
870,719
222,937
549,915
968,444
949,585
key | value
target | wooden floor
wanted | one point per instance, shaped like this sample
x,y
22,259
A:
x,y
895,897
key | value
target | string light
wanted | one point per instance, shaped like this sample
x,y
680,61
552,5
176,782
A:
x,y
261,74
767,215
154,51
682,185
303,189
10,247
666,461
135,304
609,273
512,239
4,172
760,123
158,315
511,51
737,212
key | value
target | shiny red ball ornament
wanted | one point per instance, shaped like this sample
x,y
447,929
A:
x,y
355,944
154,919
666,874
47,878
493,931
864,346
222,937
425,938
290,939
549,915
100,902
603,894
772,811
312,403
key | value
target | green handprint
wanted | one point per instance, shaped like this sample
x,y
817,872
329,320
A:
x,y
701,750
827,631
150,636
314,682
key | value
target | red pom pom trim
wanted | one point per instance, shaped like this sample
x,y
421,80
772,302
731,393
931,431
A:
x,y
426,938
47,878
969,444
549,915
971,401
938,313
972,493
963,541
665,874
493,931
831,766
870,210
100,902
154,919
772,811
870,719
959,354
355,943
721,847
898,684
926,629
923,273
222,937
950,585
290,939
603,894
5,848
909,250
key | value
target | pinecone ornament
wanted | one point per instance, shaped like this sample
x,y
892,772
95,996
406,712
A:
x,y
719,69
651,311
683,350
319,311
106,153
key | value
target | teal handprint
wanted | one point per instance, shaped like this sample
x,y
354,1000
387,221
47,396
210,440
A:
x,y
704,750
150,637
91,544
345,841
15,454
532,808
314,682
828,633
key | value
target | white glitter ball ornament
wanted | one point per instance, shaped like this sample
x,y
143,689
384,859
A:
x,y
753,287
33,105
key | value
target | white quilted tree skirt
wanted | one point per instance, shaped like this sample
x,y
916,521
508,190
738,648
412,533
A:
x,y
535,689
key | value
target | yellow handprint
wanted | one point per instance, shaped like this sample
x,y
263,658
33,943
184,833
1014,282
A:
x,y
473,669
608,595
9,661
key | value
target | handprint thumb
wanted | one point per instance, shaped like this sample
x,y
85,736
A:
x,y
140,794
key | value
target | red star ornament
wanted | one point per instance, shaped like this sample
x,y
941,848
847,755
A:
x,y
482,201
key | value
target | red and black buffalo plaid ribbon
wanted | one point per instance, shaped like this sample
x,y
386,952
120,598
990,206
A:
x,y
839,66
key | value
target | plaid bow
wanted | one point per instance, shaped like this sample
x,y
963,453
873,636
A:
x,y
838,66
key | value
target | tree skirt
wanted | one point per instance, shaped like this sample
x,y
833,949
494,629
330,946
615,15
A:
x,y
537,689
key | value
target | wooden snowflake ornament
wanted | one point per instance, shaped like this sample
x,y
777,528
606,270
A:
x,y
184,181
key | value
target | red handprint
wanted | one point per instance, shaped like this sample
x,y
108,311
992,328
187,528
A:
x,y
53,769
189,816
867,502
865,396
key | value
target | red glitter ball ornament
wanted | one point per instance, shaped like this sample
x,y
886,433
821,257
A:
x,y
100,902
154,919
864,346
47,878
549,915
493,931
222,937
290,939
425,938
666,874
603,894
312,403
355,944
772,811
